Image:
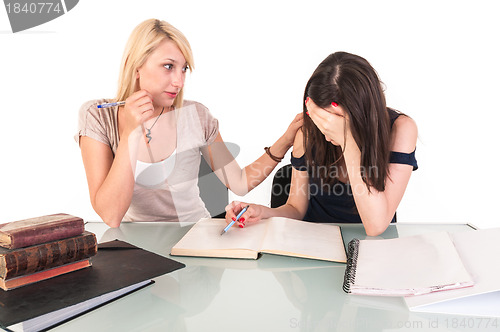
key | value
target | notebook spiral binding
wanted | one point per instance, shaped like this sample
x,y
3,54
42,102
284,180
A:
x,y
352,261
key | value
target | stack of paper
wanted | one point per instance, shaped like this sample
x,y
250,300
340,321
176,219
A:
x,y
480,252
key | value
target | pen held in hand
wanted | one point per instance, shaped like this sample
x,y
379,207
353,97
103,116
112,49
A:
x,y
237,218
118,103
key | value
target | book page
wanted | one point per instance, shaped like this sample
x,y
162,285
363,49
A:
x,y
409,265
205,239
479,251
304,239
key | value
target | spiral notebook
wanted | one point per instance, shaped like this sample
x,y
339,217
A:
x,y
405,266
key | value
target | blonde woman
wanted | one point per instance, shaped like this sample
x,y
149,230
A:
x,y
142,158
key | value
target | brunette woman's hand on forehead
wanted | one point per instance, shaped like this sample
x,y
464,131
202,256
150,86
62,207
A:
x,y
138,108
252,214
333,122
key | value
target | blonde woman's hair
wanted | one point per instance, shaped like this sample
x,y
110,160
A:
x,y
142,42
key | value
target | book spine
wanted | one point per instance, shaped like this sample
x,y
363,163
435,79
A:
x,y
47,255
43,275
352,261
25,237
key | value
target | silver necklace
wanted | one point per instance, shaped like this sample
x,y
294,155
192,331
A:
x,y
148,134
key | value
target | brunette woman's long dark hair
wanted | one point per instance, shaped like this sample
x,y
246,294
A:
x,y
351,82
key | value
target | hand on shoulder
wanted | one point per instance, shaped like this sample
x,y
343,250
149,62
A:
x,y
294,127
298,144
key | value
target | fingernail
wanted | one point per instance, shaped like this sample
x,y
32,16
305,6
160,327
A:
x,y
307,113
334,104
307,99
241,226
242,219
234,219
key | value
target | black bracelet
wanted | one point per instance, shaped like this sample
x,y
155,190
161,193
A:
x,y
268,151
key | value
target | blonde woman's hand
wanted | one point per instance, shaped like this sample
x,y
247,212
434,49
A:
x,y
252,214
138,108
295,125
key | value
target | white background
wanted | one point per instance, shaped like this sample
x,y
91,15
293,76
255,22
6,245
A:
x,y
439,61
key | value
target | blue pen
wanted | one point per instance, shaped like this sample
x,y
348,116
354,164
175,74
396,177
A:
x,y
237,218
118,103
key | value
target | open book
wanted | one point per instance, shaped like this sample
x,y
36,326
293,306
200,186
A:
x,y
405,266
281,236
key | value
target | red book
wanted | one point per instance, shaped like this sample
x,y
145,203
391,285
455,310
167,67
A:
x,y
28,232
43,275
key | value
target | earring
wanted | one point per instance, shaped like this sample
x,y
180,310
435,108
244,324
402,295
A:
x,y
334,104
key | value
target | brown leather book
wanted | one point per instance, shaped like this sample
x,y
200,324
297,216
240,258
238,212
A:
x,y
43,275
23,261
28,232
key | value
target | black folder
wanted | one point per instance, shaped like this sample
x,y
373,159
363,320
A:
x,y
117,265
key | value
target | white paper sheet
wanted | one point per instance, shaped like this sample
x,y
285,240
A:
x,y
480,253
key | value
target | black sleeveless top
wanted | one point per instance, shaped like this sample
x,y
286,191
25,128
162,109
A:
x,y
335,204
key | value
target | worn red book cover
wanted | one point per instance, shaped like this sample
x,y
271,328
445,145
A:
x,y
22,261
27,232
43,275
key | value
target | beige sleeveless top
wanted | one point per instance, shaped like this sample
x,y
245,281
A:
x,y
176,197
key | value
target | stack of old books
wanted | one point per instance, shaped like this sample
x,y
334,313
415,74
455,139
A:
x,y
40,248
